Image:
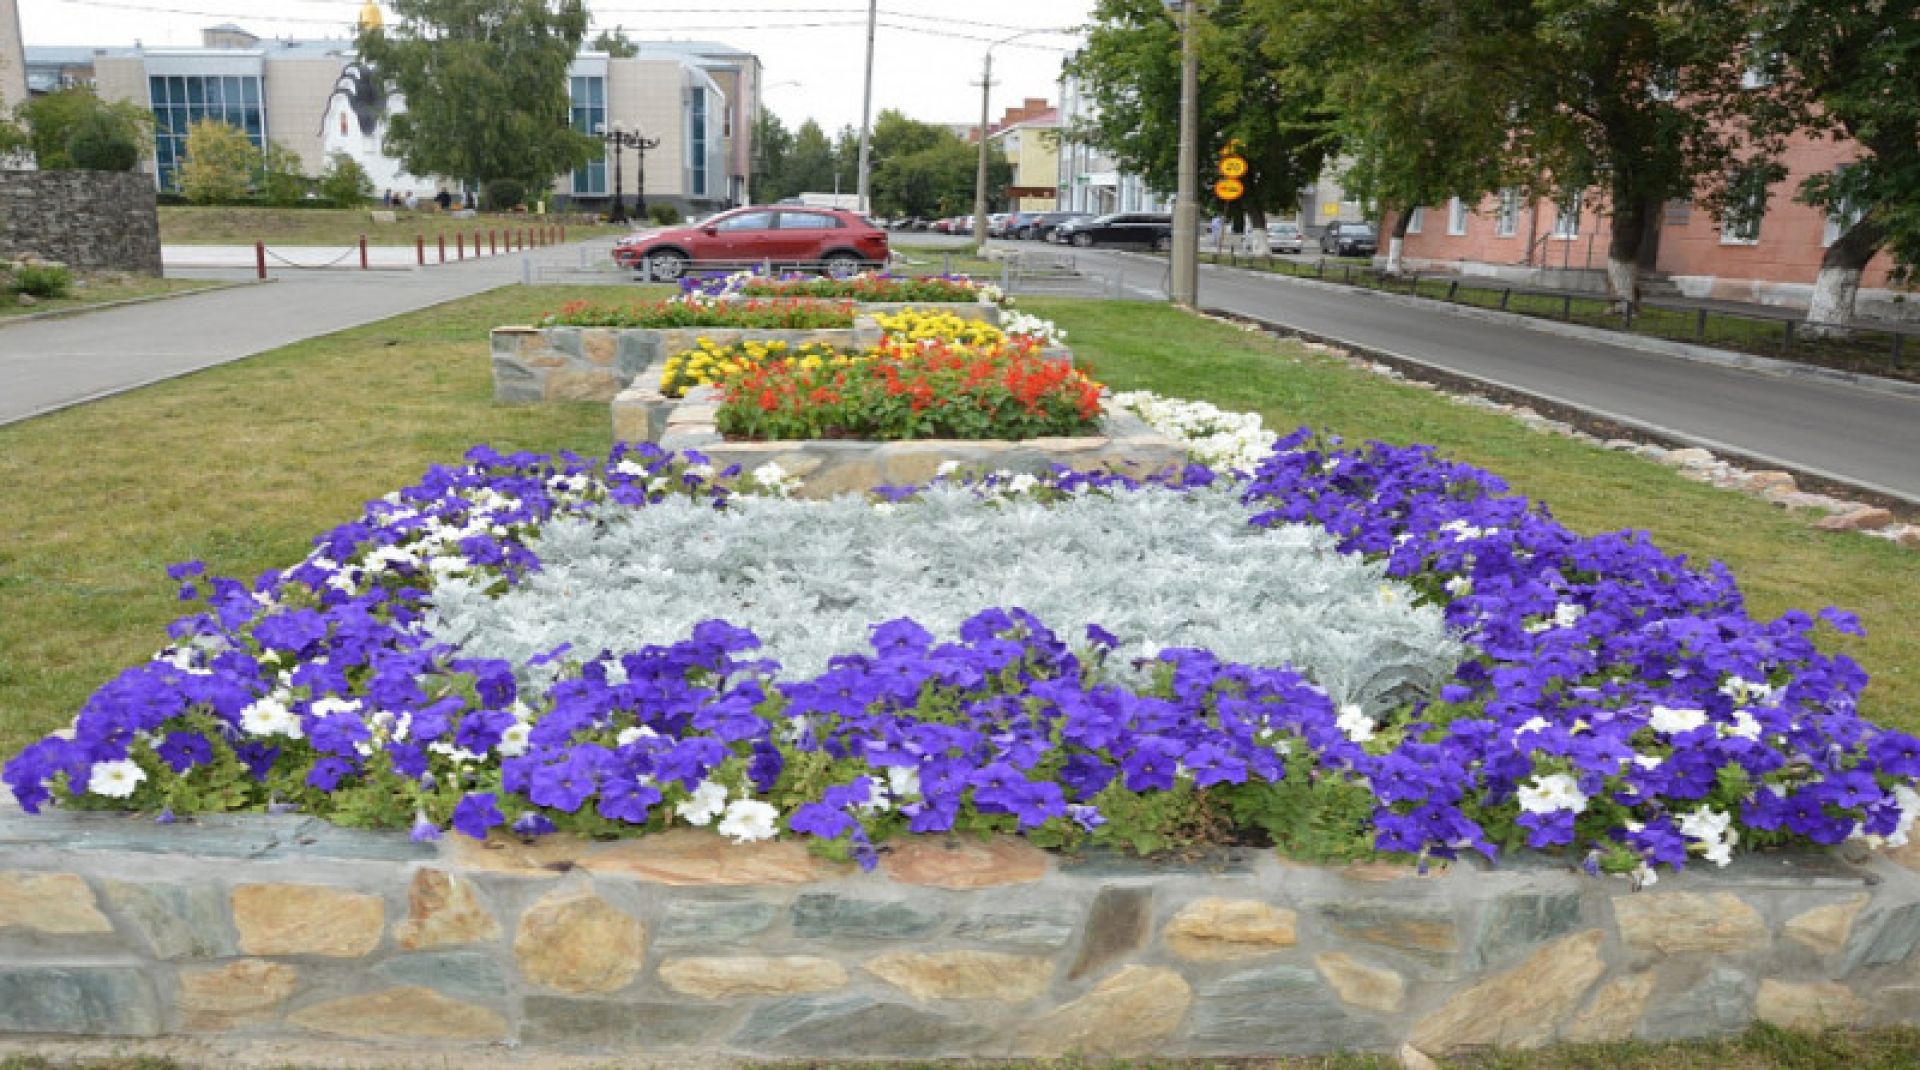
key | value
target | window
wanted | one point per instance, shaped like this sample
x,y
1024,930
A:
x,y
1415,220
1842,216
807,221
1456,216
746,221
697,144
1746,205
589,97
1566,221
1507,223
179,101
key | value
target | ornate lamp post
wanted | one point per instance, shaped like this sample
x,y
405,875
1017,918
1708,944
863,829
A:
x,y
617,138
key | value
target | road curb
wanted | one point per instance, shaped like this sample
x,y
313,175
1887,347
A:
x,y
66,313
1725,358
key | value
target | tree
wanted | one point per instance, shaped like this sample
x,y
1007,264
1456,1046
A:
x,y
220,163
281,181
52,120
810,161
100,142
614,43
1849,69
345,182
1130,71
772,143
920,169
485,83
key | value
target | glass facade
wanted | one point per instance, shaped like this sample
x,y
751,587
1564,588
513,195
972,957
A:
x,y
179,101
697,143
589,113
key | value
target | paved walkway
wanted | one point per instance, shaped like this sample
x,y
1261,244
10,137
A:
x,y
1841,432
53,363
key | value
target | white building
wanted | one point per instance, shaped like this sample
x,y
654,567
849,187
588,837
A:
x,y
1090,180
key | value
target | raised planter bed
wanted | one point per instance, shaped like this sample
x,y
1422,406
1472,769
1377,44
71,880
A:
x,y
825,468
271,930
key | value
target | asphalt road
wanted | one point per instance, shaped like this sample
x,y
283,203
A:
x,y
1841,432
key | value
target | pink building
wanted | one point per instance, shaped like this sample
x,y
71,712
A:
x,y
1770,255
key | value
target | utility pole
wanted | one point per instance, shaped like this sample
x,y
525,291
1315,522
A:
x,y
1186,207
980,174
866,111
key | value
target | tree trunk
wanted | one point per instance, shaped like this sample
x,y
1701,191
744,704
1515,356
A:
x,y
1398,241
1830,312
1623,253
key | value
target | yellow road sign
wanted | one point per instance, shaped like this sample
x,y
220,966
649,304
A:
x,y
1229,189
1233,166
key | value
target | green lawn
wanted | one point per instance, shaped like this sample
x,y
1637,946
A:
x,y
184,225
91,290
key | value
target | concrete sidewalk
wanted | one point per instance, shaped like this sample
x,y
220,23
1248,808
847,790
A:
x,y
47,365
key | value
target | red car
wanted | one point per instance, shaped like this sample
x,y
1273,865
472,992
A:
x,y
837,242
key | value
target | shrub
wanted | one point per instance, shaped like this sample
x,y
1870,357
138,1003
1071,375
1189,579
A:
x,y
220,163
282,183
42,280
503,194
51,121
665,215
345,182
101,142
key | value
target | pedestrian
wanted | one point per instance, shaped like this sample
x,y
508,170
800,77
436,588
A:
x,y
386,199
413,200
443,199
1213,232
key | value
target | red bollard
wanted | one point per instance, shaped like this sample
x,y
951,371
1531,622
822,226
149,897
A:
x,y
459,246
476,245
443,248
420,249
493,243
260,259
563,234
363,252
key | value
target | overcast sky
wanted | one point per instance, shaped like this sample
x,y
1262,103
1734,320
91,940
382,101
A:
x,y
928,51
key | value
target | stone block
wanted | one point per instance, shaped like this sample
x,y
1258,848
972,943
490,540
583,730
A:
x,y
473,975
1522,919
1117,926
1761,482
602,1025
978,975
1213,928
58,903
581,384
1865,518
967,863
214,999
1129,1013
1672,923
177,921
113,1001
1614,1011
1697,1001
1276,1010
599,345
1807,1005
573,941
752,976
306,919
1687,458
405,1013
443,910
1040,927
837,917
510,856
853,1027
1425,930
1883,938
1825,929
1522,1007
516,383
703,922
1375,988
695,856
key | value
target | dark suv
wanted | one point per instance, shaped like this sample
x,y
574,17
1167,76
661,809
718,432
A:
x,y
1349,239
840,243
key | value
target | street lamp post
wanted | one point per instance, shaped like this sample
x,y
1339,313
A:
x,y
980,172
617,138
1186,207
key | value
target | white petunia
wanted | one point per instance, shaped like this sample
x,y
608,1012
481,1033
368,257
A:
x,y
513,742
634,735
704,804
1355,723
115,780
748,820
1536,723
1551,794
1744,726
903,781
1672,721
270,716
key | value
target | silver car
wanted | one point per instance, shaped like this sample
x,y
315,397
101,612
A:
x,y
1285,238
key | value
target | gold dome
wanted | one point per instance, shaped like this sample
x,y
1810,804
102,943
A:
x,y
370,18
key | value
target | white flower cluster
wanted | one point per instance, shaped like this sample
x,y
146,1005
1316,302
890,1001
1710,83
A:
x,y
1552,793
1216,438
743,820
1031,326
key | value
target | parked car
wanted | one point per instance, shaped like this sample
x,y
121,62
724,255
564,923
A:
x,y
1349,239
838,242
997,224
1285,238
1142,230
1043,224
1020,224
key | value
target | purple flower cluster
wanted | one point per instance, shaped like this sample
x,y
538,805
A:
x,y
1620,703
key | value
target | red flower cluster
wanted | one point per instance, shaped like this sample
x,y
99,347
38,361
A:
x,y
904,391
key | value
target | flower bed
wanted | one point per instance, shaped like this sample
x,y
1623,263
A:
x,y
869,287
792,314
1617,706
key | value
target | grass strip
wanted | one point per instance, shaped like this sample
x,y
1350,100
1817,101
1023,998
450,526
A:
x,y
91,291
186,225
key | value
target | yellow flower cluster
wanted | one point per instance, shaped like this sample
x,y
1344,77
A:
x,y
921,325
711,362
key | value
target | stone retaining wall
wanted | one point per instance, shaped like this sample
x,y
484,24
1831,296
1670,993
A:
x,y
92,220
279,930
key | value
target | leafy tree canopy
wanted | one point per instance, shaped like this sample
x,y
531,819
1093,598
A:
x,y
614,43
485,83
52,120
220,163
